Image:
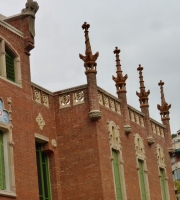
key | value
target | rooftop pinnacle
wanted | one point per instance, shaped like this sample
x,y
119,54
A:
x,y
164,108
89,59
143,95
120,80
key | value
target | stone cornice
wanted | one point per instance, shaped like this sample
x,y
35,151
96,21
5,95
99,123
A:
x,y
41,88
11,28
80,87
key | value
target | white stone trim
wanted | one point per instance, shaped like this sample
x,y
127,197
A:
x,y
140,155
11,28
115,144
41,138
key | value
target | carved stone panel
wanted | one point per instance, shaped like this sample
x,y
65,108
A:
x,y
45,100
64,101
112,106
40,121
106,101
37,96
132,116
160,156
78,97
118,108
100,98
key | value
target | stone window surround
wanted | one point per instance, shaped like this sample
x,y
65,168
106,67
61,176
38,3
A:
x,y
162,165
118,148
9,162
141,156
17,65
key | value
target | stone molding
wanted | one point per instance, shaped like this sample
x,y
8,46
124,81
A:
x,y
95,115
11,28
150,140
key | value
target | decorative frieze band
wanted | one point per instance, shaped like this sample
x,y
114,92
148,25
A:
x,y
109,102
156,129
40,97
136,117
65,99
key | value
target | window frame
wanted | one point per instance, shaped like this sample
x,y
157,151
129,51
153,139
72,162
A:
x,y
115,145
5,46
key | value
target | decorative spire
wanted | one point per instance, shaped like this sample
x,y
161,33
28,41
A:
x,y
120,80
164,108
143,95
89,59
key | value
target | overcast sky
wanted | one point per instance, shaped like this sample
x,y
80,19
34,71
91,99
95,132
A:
x,y
146,31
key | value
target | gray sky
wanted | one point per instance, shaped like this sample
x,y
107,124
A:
x,y
146,31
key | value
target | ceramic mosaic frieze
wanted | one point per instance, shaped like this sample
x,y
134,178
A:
x,y
4,117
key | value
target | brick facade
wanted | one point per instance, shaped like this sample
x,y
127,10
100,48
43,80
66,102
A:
x,y
77,145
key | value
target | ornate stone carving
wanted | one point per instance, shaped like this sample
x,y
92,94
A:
x,y
160,156
114,136
157,130
127,129
78,97
40,121
150,140
54,143
89,59
37,96
139,146
95,115
143,95
132,116
100,98
112,106
65,101
137,118
153,128
164,107
162,132
4,116
31,9
141,121
106,101
118,108
45,100
120,80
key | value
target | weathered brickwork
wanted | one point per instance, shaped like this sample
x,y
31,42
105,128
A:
x,y
73,127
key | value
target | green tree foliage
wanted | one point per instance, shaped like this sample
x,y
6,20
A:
x,y
177,187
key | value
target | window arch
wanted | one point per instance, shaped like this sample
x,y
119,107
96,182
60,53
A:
x,y
7,179
117,161
141,167
9,63
162,172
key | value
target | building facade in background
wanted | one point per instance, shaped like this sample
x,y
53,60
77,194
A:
x,y
79,143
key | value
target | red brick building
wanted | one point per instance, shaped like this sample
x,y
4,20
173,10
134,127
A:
x,y
80,143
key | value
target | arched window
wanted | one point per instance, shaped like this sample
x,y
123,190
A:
x,y
9,63
162,172
117,161
141,167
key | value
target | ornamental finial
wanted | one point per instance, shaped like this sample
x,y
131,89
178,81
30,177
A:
x,y
120,80
164,108
143,95
89,59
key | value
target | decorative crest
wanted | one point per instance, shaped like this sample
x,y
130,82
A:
x,y
164,108
143,95
120,80
31,9
89,59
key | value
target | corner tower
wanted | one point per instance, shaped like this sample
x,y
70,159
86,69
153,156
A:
x,y
90,71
